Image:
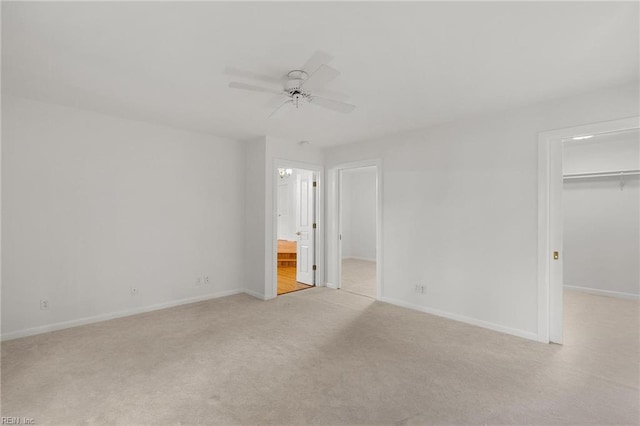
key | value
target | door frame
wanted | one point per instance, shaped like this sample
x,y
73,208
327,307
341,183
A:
x,y
550,184
271,290
334,227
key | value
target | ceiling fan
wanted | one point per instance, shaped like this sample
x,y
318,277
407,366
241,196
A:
x,y
299,86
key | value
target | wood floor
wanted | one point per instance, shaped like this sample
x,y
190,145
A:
x,y
287,280
287,268
285,246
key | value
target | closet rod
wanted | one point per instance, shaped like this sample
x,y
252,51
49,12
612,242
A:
x,y
603,174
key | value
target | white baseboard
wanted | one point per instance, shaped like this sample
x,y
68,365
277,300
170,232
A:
x,y
254,294
331,285
480,323
359,258
599,292
104,317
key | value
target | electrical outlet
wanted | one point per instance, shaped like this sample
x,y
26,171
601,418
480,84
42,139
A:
x,y
206,279
199,281
420,289
134,291
44,305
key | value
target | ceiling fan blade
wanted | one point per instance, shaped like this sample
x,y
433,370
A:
x,y
274,102
252,75
332,105
322,76
281,109
316,60
243,86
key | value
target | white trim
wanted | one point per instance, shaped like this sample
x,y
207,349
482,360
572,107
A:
x,y
366,259
484,324
271,288
104,317
332,286
334,251
599,292
543,239
255,294
550,181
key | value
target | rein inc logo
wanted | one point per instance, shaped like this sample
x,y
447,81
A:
x,y
17,421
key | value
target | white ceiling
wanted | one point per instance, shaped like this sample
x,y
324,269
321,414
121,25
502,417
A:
x,y
405,65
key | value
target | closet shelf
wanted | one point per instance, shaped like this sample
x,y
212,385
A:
x,y
613,173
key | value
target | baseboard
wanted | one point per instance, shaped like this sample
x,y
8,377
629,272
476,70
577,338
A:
x,y
331,285
599,292
480,323
254,294
359,258
104,317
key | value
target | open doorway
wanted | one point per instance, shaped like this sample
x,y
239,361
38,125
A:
x,y
601,234
589,239
358,190
601,208
296,229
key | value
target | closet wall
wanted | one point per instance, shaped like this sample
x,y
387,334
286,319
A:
x,y
359,213
602,215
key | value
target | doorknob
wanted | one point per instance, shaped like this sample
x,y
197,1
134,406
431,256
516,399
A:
x,y
298,233
556,255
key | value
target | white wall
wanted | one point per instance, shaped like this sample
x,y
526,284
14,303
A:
x,y
95,205
255,202
460,208
601,223
358,194
260,198
287,190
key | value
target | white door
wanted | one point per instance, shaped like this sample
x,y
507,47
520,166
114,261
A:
x,y
305,218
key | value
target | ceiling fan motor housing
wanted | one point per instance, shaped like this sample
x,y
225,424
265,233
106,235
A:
x,y
295,79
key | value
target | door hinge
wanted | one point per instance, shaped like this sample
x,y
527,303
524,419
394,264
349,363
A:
x,y
314,267
315,183
314,226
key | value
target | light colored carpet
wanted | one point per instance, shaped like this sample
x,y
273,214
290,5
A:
x,y
359,276
327,357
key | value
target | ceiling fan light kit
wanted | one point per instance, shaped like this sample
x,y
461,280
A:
x,y
299,85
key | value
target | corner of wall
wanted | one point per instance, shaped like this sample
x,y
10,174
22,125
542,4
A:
x,y
254,207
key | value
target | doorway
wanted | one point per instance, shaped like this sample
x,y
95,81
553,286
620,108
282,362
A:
x,y
601,237
569,159
296,228
361,270
358,230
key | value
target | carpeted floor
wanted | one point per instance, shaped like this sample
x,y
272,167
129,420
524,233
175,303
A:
x,y
359,276
328,357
